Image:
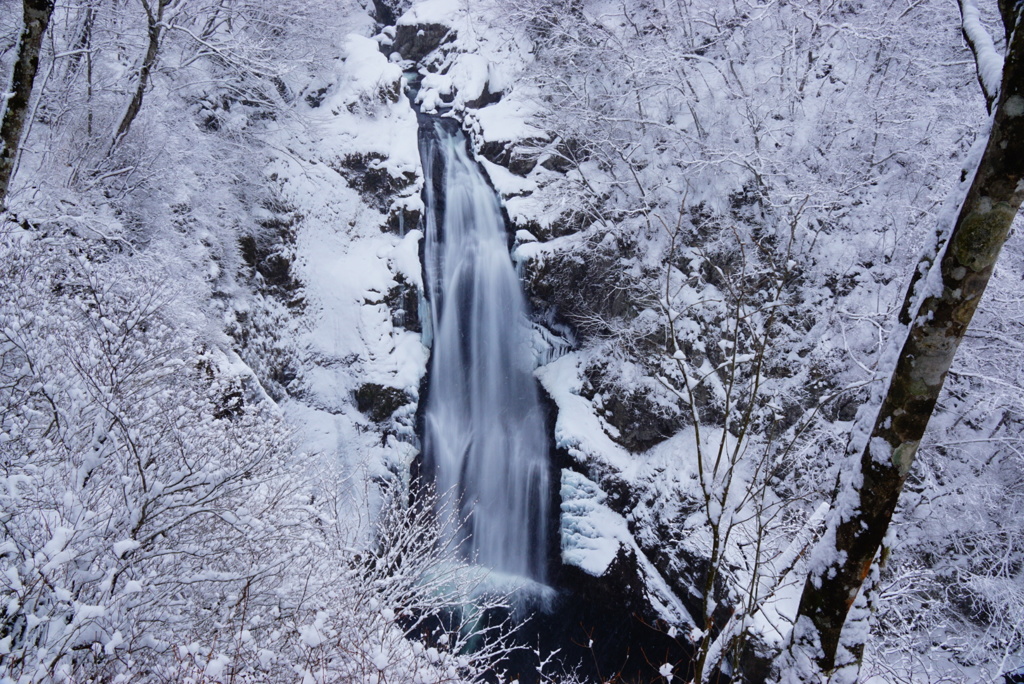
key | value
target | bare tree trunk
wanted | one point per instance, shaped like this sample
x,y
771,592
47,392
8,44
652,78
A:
x,y
82,45
154,21
36,18
866,503
1008,11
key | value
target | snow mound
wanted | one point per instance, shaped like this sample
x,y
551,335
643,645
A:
x,y
593,535
591,532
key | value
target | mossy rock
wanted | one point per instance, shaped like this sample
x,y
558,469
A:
x,y
378,402
568,153
370,177
588,287
403,300
416,41
520,157
401,219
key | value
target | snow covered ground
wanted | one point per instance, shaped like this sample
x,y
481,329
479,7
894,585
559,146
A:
x,y
714,211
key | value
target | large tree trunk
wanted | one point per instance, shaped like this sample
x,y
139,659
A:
x,y
155,26
867,499
36,18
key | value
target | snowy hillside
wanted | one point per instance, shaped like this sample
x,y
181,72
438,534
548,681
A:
x,y
254,426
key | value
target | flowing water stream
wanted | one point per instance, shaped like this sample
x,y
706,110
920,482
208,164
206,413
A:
x,y
484,435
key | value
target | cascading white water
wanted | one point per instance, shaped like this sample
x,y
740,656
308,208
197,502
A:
x,y
484,437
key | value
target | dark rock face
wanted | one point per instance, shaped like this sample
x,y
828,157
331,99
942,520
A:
x,y
686,570
588,286
390,92
486,98
496,152
315,98
567,154
620,585
385,12
593,641
603,628
401,219
368,174
521,163
607,631
519,158
639,422
378,402
274,268
1015,677
414,42
403,300
267,251
567,223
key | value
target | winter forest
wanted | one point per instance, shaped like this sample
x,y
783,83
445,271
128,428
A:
x,y
533,341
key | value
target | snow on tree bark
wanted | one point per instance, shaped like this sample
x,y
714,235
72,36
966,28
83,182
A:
x,y
36,18
154,29
945,311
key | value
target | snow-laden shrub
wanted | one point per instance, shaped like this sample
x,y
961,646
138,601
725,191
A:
x,y
153,525
135,502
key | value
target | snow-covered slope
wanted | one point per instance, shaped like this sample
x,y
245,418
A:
x,y
714,210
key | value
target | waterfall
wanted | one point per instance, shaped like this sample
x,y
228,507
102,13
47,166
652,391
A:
x,y
484,436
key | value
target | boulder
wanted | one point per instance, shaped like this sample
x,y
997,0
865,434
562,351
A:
x,y
416,41
378,402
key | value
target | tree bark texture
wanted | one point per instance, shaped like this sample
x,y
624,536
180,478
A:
x,y
154,25
980,229
36,18
1008,10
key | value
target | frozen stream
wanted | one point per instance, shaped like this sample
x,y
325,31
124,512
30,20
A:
x,y
484,438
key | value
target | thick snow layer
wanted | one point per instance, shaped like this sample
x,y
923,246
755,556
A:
x,y
592,533
406,258
507,120
990,62
431,12
578,429
782,584
483,54
504,181
357,115
365,69
470,73
346,264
